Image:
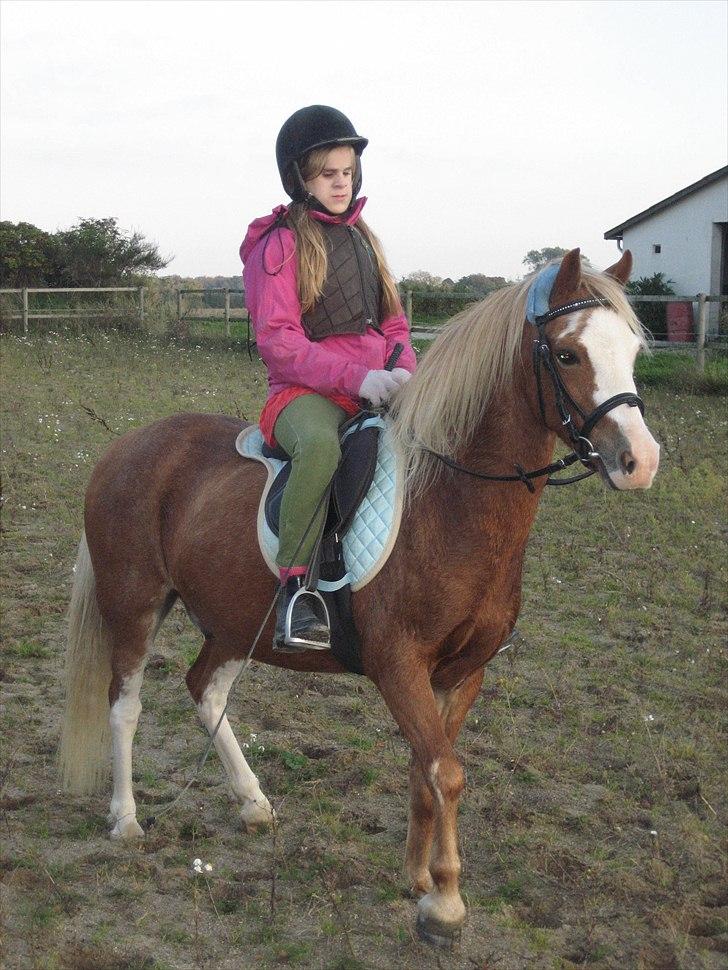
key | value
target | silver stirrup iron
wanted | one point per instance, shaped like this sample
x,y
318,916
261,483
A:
x,y
322,614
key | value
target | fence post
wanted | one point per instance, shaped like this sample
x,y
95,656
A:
x,y
141,307
25,311
408,306
702,323
227,312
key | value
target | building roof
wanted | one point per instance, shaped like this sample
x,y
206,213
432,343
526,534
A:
x,y
618,231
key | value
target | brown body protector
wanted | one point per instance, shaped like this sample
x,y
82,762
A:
x,y
351,297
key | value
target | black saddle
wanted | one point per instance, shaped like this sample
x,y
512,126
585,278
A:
x,y
359,446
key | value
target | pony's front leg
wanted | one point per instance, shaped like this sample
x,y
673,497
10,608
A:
x,y
420,831
210,686
406,689
453,706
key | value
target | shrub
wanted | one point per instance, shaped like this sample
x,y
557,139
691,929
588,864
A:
x,y
652,315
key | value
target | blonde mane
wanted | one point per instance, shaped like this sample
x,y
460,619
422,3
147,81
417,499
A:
x,y
469,362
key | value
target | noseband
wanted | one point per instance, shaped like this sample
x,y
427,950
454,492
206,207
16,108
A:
x,y
584,450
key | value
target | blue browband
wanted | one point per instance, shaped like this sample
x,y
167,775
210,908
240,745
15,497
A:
x,y
539,294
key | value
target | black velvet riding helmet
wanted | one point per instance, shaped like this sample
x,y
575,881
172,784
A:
x,y
309,128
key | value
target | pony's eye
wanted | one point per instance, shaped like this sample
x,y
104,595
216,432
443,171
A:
x,y
567,358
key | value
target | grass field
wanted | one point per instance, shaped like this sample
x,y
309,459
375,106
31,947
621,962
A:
x,y
594,817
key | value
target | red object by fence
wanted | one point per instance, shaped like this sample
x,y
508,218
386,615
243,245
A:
x,y
680,322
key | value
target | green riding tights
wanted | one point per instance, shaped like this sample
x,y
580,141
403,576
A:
x,y
308,429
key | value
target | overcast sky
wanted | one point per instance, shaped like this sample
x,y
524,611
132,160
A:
x,y
494,127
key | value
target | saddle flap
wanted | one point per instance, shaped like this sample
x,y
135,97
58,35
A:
x,y
275,497
350,485
354,475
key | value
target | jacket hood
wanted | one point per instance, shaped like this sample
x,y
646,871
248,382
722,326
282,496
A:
x,y
258,227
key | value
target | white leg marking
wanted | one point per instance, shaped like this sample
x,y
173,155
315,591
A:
x,y
256,808
123,719
434,782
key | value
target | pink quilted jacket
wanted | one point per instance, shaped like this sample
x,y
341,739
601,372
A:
x,y
332,366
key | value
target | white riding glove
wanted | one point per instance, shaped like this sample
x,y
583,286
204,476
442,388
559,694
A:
x,y
378,386
401,375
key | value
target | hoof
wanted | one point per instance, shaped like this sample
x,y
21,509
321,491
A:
x,y
257,816
440,918
434,935
127,830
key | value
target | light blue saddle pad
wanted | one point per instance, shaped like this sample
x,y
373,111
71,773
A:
x,y
370,540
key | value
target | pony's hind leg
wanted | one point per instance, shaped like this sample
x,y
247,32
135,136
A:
x,y
128,660
209,681
125,711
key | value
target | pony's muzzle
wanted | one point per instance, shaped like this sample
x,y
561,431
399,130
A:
x,y
631,459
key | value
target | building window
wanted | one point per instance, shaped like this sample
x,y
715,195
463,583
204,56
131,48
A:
x,y
656,248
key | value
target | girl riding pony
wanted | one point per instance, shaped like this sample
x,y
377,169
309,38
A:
x,y
327,316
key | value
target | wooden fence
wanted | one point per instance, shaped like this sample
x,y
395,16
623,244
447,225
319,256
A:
x,y
182,316
76,313
698,346
425,332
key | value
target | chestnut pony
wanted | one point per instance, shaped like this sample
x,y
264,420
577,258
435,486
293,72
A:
x,y
171,512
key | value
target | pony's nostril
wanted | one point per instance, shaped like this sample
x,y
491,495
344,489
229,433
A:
x,y
628,463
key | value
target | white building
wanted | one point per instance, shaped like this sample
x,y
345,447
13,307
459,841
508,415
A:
x,y
685,237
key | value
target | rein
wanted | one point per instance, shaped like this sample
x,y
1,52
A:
x,y
584,450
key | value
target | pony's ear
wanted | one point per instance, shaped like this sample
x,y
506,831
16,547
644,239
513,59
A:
x,y
568,279
622,270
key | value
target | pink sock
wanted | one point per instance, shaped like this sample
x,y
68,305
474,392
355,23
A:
x,y
292,571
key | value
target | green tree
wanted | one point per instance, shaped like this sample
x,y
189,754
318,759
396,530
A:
x,y
653,316
28,255
479,284
95,252
420,279
536,259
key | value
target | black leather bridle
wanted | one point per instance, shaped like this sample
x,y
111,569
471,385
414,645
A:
x,y
584,450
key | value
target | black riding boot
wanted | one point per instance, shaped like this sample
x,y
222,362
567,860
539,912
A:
x,y
309,628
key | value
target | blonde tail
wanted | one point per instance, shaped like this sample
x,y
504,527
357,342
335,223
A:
x,y
84,752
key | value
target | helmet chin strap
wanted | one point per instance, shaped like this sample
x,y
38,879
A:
x,y
301,194
313,203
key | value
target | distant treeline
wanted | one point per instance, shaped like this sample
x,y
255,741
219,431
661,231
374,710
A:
x,y
94,252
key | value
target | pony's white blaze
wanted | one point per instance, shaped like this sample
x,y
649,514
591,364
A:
x,y
612,348
256,809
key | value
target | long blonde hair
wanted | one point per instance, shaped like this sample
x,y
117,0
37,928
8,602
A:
x,y
311,245
468,364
